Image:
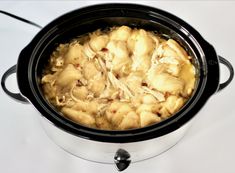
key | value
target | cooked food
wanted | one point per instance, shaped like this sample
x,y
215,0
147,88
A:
x,y
119,79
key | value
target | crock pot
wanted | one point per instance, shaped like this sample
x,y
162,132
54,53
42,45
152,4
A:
x,y
119,147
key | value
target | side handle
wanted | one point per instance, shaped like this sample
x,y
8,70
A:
x,y
231,71
16,96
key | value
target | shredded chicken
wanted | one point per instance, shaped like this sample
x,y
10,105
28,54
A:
x,y
118,84
158,95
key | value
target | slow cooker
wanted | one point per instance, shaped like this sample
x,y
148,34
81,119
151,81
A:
x,y
105,146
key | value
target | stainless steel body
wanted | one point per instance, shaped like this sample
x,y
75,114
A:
x,y
104,152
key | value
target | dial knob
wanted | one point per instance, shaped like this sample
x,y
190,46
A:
x,y
122,159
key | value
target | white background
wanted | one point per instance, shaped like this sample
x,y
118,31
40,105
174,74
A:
x,y
209,145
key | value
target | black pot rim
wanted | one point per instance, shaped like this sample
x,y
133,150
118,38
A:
x,y
208,83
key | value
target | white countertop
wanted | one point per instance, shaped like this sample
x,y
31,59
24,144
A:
x,y
209,145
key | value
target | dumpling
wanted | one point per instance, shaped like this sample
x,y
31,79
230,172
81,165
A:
x,y
96,86
121,112
177,48
116,112
167,51
133,81
144,43
131,40
149,99
90,70
122,33
98,42
148,108
164,113
148,118
80,92
169,60
120,55
90,54
86,106
188,75
49,90
173,103
170,65
79,116
121,65
167,83
75,54
141,63
102,123
173,69
118,48
68,75
112,109
130,121
49,78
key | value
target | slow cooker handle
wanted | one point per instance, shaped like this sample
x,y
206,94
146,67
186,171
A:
x,y
231,71
16,96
